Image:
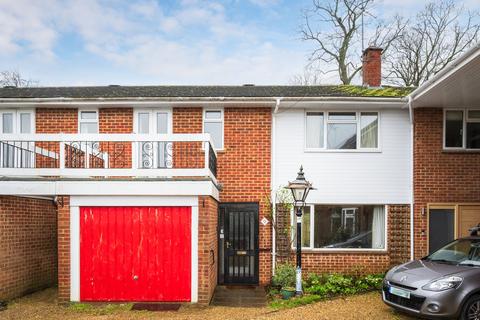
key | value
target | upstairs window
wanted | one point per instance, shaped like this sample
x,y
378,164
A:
x,y
88,121
462,129
213,124
341,130
17,121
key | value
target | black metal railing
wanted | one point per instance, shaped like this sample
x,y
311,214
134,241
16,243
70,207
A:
x,y
212,160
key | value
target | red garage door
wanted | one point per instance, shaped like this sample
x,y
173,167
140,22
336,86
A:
x,y
135,253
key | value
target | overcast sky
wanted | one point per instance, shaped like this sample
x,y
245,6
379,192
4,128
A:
x,y
101,42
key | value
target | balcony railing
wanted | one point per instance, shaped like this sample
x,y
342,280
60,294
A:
x,y
107,155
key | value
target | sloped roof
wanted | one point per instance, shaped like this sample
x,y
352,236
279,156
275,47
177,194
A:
x,y
247,91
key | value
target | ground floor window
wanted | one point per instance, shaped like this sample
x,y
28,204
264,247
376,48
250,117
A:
x,y
343,227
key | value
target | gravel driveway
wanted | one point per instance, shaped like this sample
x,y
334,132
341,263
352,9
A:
x,y
42,305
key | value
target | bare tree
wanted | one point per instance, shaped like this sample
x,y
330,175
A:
x,y
335,27
13,78
441,31
309,77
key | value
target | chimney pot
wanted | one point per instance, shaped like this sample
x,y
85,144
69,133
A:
x,y
372,67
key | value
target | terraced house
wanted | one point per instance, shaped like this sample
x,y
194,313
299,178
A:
x,y
161,193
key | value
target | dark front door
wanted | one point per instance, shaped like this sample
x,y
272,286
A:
x,y
238,243
441,228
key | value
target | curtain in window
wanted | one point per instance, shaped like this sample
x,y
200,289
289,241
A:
x,y
378,227
369,132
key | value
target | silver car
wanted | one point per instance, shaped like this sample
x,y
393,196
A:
x,y
445,284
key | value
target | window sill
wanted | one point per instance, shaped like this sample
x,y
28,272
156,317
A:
x,y
342,150
461,151
345,251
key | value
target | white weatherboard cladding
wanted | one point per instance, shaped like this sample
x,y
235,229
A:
x,y
355,177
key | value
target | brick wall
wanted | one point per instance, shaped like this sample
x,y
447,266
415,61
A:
x,y
349,262
64,249
116,120
56,120
439,176
207,248
243,165
28,255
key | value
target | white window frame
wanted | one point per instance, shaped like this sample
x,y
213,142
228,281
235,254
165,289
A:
x,y
221,120
464,128
16,119
293,223
152,126
357,121
80,120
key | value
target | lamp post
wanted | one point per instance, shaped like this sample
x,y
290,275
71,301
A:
x,y
300,188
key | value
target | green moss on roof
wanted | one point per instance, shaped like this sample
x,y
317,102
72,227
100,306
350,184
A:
x,y
375,92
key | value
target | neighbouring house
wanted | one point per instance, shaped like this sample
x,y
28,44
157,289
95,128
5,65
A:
x,y
446,117
161,193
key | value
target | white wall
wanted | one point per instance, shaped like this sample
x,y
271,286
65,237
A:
x,y
346,177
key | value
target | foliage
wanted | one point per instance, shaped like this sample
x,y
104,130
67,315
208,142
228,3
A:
x,y
284,276
323,286
103,309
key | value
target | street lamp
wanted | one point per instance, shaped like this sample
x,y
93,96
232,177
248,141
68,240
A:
x,y
300,188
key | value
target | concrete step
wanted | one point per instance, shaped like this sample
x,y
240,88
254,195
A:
x,y
240,296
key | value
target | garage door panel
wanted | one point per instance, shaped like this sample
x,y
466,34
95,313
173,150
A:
x,y
135,253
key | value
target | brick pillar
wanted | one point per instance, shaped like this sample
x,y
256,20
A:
x,y
399,233
64,248
372,67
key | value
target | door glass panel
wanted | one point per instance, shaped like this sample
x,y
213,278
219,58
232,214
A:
x,y
25,123
88,127
7,122
453,129
441,228
215,130
162,122
144,123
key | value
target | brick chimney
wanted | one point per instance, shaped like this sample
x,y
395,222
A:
x,y
372,67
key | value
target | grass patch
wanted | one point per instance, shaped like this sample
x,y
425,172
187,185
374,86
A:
x,y
101,309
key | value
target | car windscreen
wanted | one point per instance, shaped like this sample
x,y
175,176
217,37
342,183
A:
x,y
462,251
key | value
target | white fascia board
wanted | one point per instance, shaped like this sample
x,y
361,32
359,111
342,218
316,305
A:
x,y
110,188
134,201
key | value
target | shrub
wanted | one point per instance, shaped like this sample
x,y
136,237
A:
x,y
284,276
337,284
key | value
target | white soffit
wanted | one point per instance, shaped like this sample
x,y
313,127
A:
x,y
457,86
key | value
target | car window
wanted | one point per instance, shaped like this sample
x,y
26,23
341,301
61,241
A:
x,y
465,251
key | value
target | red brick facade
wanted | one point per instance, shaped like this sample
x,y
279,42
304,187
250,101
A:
x,y
28,255
207,248
243,164
398,243
63,248
56,120
439,176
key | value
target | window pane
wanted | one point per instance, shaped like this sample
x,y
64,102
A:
x,y
88,127
314,130
25,123
213,115
454,129
215,130
88,115
474,114
144,123
369,127
349,226
162,122
342,136
7,122
342,116
473,135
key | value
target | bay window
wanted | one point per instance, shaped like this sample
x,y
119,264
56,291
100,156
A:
x,y
343,227
462,129
341,130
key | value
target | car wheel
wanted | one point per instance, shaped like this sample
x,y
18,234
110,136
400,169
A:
x,y
471,309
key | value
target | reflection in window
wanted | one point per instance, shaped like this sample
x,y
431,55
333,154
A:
x,y
342,136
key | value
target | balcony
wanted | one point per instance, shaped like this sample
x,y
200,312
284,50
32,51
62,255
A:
x,y
107,156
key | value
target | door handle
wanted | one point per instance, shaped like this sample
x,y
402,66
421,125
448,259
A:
x,y
227,244
135,278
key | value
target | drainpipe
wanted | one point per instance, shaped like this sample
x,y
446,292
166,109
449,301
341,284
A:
x,y
272,185
412,194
